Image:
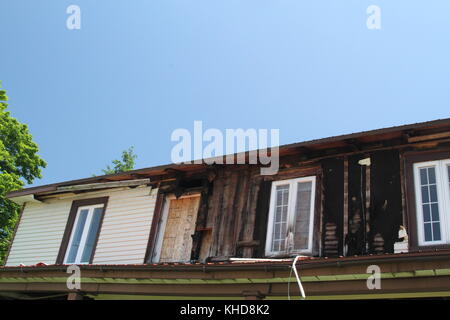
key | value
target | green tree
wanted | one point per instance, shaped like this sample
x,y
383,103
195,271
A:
x,y
19,163
126,164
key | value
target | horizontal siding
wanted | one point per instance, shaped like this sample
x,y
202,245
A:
x,y
126,228
39,233
123,237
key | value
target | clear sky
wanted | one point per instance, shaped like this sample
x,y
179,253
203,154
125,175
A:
x,y
138,69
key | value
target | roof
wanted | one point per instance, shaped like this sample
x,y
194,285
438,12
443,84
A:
x,y
316,144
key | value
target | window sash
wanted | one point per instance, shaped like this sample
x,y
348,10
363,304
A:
x,y
82,256
443,199
292,185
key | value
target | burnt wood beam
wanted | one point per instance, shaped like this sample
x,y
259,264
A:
x,y
354,144
429,137
251,243
201,223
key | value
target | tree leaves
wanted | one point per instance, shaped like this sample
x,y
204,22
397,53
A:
x,y
18,161
126,164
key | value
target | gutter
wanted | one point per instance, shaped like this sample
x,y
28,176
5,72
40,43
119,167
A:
x,y
286,266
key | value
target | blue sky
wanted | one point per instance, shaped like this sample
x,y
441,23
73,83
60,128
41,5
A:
x,y
139,69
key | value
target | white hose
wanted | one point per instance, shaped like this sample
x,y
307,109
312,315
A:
x,y
294,267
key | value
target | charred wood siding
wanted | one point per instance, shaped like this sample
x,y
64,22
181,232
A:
x,y
231,211
386,201
356,206
202,232
238,207
261,220
234,209
359,206
333,211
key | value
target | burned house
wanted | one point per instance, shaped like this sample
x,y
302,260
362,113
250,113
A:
x,y
341,204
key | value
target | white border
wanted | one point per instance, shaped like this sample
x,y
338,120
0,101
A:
x,y
293,183
443,200
84,232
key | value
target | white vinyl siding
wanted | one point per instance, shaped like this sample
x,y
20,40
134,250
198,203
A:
x,y
126,226
123,236
39,233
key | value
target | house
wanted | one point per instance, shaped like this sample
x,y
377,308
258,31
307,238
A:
x,y
346,205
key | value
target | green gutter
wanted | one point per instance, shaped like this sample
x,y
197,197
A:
x,y
293,298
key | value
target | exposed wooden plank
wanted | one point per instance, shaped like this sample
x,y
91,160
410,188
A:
x,y
253,243
433,136
105,185
180,226
261,219
227,215
214,211
249,226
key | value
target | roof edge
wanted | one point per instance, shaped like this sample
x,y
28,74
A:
x,y
54,186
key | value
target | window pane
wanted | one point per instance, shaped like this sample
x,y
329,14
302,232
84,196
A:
x,y
433,193
423,176
430,204
92,233
435,212
428,234
425,195
280,218
77,236
426,213
448,171
436,231
431,176
302,215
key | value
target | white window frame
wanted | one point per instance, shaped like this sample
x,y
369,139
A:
x,y
443,194
293,184
84,233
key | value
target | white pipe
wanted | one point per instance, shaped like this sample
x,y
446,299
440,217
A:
x,y
294,267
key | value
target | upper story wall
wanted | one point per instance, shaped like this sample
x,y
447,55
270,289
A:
x,y
123,235
359,206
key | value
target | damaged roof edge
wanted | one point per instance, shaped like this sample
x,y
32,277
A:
x,y
117,176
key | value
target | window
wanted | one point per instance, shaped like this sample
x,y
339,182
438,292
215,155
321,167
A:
x,y
291,217
432,190
82,230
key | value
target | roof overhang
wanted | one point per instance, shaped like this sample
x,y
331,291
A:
x,y
23,199
402,275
